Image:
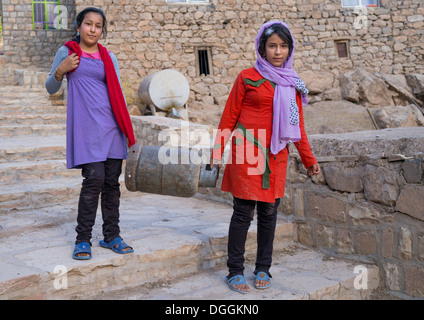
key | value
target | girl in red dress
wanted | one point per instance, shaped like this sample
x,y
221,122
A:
x,y
264,111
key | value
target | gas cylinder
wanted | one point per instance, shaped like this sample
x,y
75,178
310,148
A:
x,y
148,169
166,90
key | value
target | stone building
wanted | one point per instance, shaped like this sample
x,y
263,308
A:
x,y
211,41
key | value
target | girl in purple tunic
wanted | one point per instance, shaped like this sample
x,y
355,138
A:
x,y
94,141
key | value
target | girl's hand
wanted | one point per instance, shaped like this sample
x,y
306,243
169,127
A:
x,y
212,163
314,170
69,64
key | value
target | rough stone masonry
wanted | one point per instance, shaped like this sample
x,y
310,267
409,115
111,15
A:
x,y
148,36
368,203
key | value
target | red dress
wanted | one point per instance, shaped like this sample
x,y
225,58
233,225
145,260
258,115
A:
x,y
252,172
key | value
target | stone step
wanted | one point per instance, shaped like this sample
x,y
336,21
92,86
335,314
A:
x,y
6,76
298,273
13,103
39,189
24,171
179,253
36,129
31,79
18,95
34,108
38,193
21,148
8,119
21,91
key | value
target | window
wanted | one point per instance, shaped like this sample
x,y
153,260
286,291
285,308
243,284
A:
x,y
360,3
44,14
203,61
188,1
342,49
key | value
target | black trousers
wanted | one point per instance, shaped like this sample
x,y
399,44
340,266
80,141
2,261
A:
x,y
100,178
243,211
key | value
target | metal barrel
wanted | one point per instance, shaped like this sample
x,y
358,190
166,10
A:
x,y
165,89
163,170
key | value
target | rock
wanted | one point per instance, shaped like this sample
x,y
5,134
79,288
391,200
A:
x,y
332,94
412,170
366,88
411,201
218,90
397,157
343,179
362,214
380,185
416,82
398,116
398,85
406,141
134,110
327,208
374,91
348,87
200,88
336,117
317,82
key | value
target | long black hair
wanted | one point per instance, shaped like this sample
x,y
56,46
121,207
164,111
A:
x,y
80,19
282,32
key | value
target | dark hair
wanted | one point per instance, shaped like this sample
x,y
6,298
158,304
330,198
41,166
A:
x,y
80,19
282,32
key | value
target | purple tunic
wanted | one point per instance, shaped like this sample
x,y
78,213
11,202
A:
x,y
92,133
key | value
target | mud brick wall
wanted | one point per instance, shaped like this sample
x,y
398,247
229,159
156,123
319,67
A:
x,y
368,203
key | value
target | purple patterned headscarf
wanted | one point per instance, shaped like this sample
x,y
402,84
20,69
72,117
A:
x,y
285,125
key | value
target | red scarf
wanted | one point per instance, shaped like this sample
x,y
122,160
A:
x,y
116,96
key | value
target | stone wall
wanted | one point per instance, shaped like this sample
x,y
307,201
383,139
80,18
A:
x,y
368,203
25,47
153,36
148,36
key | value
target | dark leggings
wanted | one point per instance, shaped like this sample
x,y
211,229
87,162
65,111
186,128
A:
x,y
99,178
239,226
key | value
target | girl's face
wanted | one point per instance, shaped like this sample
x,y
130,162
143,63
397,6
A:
x,y
91,29
276,50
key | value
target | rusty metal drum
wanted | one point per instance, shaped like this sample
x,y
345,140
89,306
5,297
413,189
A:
x,y
147,170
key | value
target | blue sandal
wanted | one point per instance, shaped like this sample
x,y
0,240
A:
x,y
82,247
117,245
262,276
236,280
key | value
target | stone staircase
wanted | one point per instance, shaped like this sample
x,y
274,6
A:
x,y
175,239
32,151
